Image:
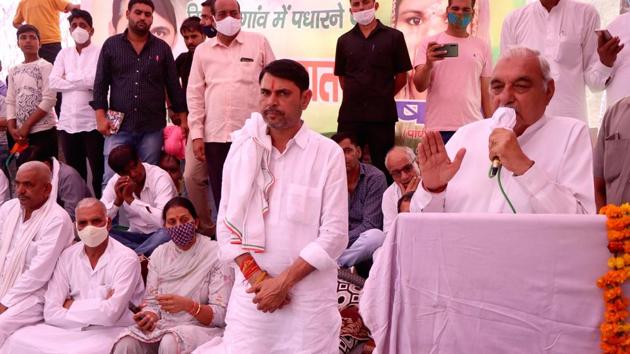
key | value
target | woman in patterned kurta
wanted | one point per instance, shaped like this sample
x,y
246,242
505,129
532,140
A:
x,y
187,290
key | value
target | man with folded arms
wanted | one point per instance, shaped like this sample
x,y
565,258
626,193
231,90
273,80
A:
x,y
88,295
547,160
34,230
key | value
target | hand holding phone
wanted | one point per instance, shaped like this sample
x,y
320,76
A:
x,y
135,309
603,34
451,50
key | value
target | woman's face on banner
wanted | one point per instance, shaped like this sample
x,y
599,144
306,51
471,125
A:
x,y
417,19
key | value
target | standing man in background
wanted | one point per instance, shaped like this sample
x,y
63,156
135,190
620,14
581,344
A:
x,y
436,70
195,171
73,76
372,63
223,87
564,32
138,71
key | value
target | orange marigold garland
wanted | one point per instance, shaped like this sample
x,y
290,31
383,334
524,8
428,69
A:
x,y
615,331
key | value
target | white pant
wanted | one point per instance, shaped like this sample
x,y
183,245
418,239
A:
x,y
363,248
12,320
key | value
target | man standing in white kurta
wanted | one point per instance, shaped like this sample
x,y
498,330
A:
x,y
547,161
34,230
564,32
87,298
283,221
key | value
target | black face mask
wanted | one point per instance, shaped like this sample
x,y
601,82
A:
x,y
209,31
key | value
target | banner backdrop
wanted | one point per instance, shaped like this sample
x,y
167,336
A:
x,y
304,30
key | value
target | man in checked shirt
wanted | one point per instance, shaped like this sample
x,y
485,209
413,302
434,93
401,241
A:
x,y
366,185
138,71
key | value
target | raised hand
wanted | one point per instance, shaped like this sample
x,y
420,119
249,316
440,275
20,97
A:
x,y
436,167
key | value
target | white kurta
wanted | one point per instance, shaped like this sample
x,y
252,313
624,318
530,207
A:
x,y
566,38
618,86
560,181
4,188
145,212
93,322
392,194
307,218
26,298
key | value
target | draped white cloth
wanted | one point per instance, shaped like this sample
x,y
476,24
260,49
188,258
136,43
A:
x,y
30,250
307,218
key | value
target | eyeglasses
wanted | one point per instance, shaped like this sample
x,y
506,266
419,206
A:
x,y
406,169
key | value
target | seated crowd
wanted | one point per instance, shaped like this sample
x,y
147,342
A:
x,y
125,256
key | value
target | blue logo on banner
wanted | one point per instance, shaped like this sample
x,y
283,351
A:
x,y
411,110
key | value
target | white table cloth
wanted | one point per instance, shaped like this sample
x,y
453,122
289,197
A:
x,y
488,283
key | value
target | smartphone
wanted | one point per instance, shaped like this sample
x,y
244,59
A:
x,y
604,34
135,309
452,50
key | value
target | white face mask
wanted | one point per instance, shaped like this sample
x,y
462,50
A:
x,y
228,26
93,236
364,17
80,35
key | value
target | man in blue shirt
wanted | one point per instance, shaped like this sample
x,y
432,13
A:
x,y
366,185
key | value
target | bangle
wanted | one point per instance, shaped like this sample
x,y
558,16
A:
x,y
198,310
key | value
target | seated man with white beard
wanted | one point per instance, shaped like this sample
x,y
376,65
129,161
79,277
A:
x,y
34,230
547,162
86,304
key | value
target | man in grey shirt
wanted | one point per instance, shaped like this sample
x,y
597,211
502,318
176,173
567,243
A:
x,y
611,158
71,187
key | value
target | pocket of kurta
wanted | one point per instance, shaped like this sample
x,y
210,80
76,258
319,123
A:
x,y
614,156
303,204
568,52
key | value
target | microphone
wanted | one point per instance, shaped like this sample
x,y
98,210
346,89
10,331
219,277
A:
x,y
496,165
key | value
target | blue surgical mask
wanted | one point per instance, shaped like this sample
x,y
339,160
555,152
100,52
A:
x,y
463,22
209,31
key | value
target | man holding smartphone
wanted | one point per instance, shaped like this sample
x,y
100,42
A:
x,y
455,68
564,32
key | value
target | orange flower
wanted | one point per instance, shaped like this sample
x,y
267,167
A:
x,y
615,331
611,211
615,316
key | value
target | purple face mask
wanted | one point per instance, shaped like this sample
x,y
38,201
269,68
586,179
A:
x,y
182,234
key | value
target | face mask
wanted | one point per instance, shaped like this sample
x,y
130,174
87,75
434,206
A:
x,y
364,17
182,234
93,236
228,26
80,35
463,22
209,31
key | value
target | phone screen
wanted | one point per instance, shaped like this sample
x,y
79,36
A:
x,y
452,50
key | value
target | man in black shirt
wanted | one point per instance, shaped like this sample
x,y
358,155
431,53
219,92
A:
x,y
137,68
371,62
193,36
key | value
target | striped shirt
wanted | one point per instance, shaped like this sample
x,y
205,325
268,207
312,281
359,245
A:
x,y
137,83
365,202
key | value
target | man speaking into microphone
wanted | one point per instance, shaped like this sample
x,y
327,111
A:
x,y
546,161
